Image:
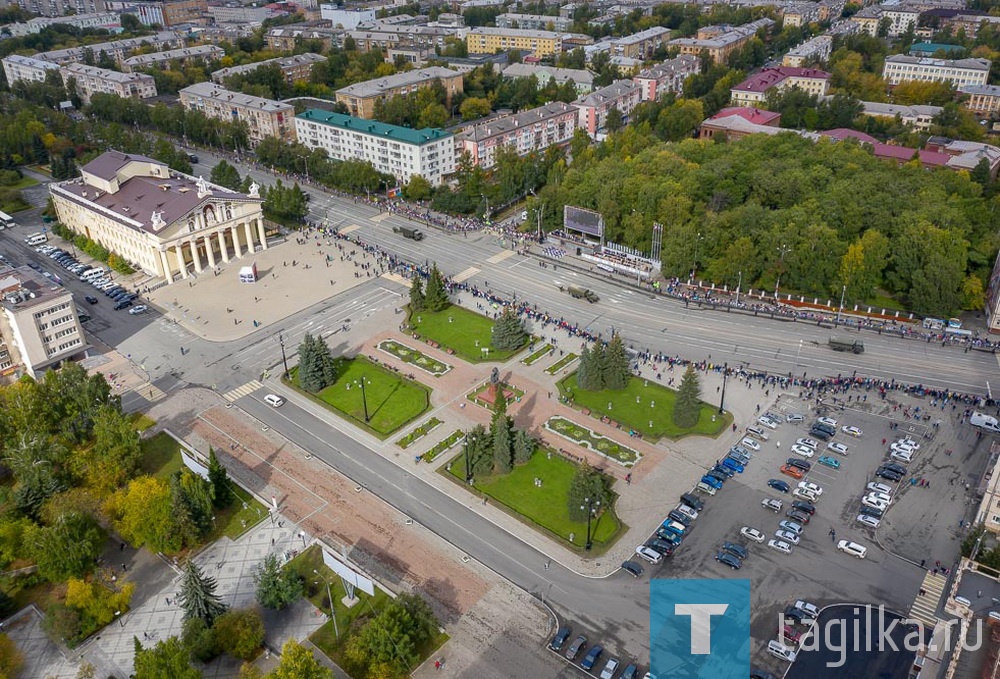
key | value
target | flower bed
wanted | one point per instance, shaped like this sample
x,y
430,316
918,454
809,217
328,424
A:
x,y
597,443
538,355
561,363
449,442
418,433
414,357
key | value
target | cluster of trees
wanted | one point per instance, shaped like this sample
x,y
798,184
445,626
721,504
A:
x,y
604,366
317,367
783,206
434,298
170,658
226,175
508,331
497,450
63,166
588,491
687,404
390,643
94,249
285,204
350,175
424,108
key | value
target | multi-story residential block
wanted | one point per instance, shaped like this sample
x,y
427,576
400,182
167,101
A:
x,y
961,72
386,36
286,38
525,132
399,151
39,326
753,91
641,45
17,67
160,220
623,96
720,41
264,117
448,20
237,13
970,22
538,43
867,19
106,20
217,35
91,80
296,67
662,79
180,56
919,117
417,57
119,50
812,51
582,79
533,22
348,19
983,100
58,8
360,98
168,14
801,14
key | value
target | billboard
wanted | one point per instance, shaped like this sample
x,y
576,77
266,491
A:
x,y
348,574
584,221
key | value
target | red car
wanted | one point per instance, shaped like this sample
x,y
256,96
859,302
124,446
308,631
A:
x,y
792,635
794,472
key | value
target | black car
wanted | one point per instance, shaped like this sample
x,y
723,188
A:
x,y
795,615
761,674
871,511
193,159
730,560
668,535
801,464
662,546
778,485
737,550
123,305
693,501
722,469
627,566
113,290
820,434
91,299
898,468
888,475
679,517
804,507
719,476
559,640
798,517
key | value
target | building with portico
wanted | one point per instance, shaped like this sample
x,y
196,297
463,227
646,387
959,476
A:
x,y
170,225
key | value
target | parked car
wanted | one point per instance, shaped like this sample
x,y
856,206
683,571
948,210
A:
x,y
750,443
828,421
791,526
772,504
630,567
803,494
667,535
851,431
630,672
90,299
649,554
804,507
780,545
592,656
559,640
767,421
888,474
665,547
804,451
733,464
693,501
752,534
724,470
739,551
829,461
809,485
898,468
852,548
808,443
778,485
794,418
801,464
711,481
902,457
575,648
820,434
798,517
873,512
791,634
779,650
688,511
788,536
718,476
794,472
123,305
836,447
869,501
610,668
810,609
796,615
730,560
868,521
680,517
138,309
879,488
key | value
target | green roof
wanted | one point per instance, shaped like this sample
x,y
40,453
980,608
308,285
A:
x,y
932,47
373,127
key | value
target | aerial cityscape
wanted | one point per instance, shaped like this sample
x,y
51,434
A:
x,y
632,339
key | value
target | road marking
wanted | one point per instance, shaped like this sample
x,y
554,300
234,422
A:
x,y
379,218
925,605
398,278
350,228
500,256
465,275
241,391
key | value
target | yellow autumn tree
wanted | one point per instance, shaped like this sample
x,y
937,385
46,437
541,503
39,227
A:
x,y
96,602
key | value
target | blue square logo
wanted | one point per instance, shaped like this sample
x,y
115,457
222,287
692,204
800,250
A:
x,y
699,629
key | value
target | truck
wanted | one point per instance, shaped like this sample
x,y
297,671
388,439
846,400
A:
x,y
580,293
407,232
856,346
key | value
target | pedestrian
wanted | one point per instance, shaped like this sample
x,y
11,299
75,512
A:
x,y
124,568
122,547
437,664
922,562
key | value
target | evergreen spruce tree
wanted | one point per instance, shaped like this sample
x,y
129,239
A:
x,y
687,407
311,370
436,297
198,598
508,331
598,364
583,372
500,434
219,479
480,451
417,301
616,365
524,446
326,365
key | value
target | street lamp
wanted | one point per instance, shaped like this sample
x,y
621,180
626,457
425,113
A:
x,y
781,265
841,309
592,507
284,359
725,374
694,265
364,398
738,286
329,598
468,463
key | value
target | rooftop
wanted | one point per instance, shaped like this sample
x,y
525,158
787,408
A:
x,y
168,55
373,88
770,77
874,108
500,126
22,288
375,128
30,61
989,90
932,47
613,91
684,61
113,46
973,64
750,114
578,76
79,70
648,34
523,33
281,62
212,91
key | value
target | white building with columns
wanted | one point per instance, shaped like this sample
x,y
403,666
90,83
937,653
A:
x,y
168,224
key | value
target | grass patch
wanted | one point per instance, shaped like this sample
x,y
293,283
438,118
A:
x,y
415,358
418,433
544,507
538,355
561,363
461,331
585,437
879,302
643,406
142,422
452,439
14,206
23,183
393,401
161,456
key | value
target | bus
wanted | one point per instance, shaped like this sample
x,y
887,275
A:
x,y
6,221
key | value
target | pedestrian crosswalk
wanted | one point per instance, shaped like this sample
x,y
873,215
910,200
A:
x,y
925,606
241,391
350,228
500,256
463,276
397,278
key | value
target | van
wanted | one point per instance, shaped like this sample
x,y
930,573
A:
x,y
694,502
779,650
987,422
36,239
705,488
92,274
274,400
758,433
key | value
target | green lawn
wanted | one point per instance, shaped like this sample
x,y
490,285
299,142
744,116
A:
x,y
544,507
561,363
538,355
23,183
392,400
463,331
652,415
418,433
161,456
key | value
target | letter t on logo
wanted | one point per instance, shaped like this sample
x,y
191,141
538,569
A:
x,y
701,624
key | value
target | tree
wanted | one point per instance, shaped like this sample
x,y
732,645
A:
x,y
191,497
11,660
500,434
276,586
583,370
436,296
687,406
298,662
417,300
199,640
508,331
239,632
614,121
219,478
114,458
418,188
474,107
168,658
394,635
143,514
587,487
317,368
596,370
96,603
981,173
198,597
524,446
226,175
616,372
67,548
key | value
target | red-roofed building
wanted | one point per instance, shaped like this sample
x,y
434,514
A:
x,y
754,115
842,133
900,154
754,89
739,121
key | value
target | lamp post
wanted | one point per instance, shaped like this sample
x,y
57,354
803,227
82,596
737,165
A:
x,y
364,398
781,266
592,507
843,292
694,265
468,462
725,374
329,597
284,359
738,286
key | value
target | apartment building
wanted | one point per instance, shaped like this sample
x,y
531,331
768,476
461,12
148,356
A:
x,y
812,51
721,40
919,117
662,79
169,14
181,56
163,222
58,8
105,20
348,19
526,132
641,45
867,19
386,36
801,14
753,91
287,38
983,100
264,117
91,80
119,50
541,44
360,97
582,79
593,109
961,72
236,13
296,67
533,22
39,327
970,22
400,151
17,67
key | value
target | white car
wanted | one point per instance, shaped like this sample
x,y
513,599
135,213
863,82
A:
x,y
838,448
771,503
750,443
852,548
901,448
812,610
809,485
884,497
874,503
752,534
687,511
768,422
649,554
902,457
804,451
851,431
828,421
780,545
869,521
610,668
803,494
787,536
879,488
779,650
808,443
908,442
138,309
